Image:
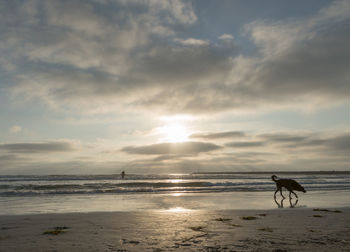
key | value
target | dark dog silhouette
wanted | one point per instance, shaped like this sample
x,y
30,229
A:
x,y
289,184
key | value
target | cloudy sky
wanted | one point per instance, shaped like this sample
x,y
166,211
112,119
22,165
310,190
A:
x,y
149,86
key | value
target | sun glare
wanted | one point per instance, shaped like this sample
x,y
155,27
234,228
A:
x,y
174,133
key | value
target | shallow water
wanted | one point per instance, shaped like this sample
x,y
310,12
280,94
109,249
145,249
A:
x,y
95,193
168,202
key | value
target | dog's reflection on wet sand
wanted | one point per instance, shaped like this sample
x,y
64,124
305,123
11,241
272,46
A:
x,y
291,204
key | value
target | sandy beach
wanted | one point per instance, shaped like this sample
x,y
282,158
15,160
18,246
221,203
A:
x,y
175,220
178,229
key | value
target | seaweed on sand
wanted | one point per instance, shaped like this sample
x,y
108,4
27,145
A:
x,y
266,229
198,228
223,219
55,231
248,218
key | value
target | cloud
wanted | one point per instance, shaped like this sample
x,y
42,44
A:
x,y
10,158
192,42
37,147
178,10
108,55
285,138
163,158
340,142
301,63
15,129
304,59
245,144
185,148
281,151
226,37
337,144
109,50
284,142
218,135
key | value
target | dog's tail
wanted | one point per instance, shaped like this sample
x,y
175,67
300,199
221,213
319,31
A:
x,y
274,178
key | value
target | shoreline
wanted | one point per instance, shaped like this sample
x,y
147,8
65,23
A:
x,y
280,172
301,229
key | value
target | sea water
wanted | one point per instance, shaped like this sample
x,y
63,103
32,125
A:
x,y
214,191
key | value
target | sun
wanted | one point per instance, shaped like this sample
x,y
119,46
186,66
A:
x,y
174,132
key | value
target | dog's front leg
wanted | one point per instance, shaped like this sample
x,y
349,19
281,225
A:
x,y
282,194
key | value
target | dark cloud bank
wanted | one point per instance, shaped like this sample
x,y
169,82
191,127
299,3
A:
x,y
37,147
280,151
186,148
218,135
312,141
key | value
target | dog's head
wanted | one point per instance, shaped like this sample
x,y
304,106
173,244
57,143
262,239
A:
x,y
296,186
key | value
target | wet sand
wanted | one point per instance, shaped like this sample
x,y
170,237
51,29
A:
x,y
178,229
149,202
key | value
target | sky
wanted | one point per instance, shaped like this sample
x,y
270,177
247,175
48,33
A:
x,y
177,86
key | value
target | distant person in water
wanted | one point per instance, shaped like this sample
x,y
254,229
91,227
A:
x,y
122,174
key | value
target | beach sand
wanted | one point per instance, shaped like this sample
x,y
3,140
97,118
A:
x,y
298,229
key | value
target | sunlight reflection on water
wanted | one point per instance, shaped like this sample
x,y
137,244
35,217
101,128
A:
x,y
177,194
175,180
178,210
176,202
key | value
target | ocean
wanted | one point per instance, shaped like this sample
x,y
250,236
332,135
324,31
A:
x,y
85,193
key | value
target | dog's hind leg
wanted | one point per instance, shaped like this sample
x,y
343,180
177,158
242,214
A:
x,y
278,204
